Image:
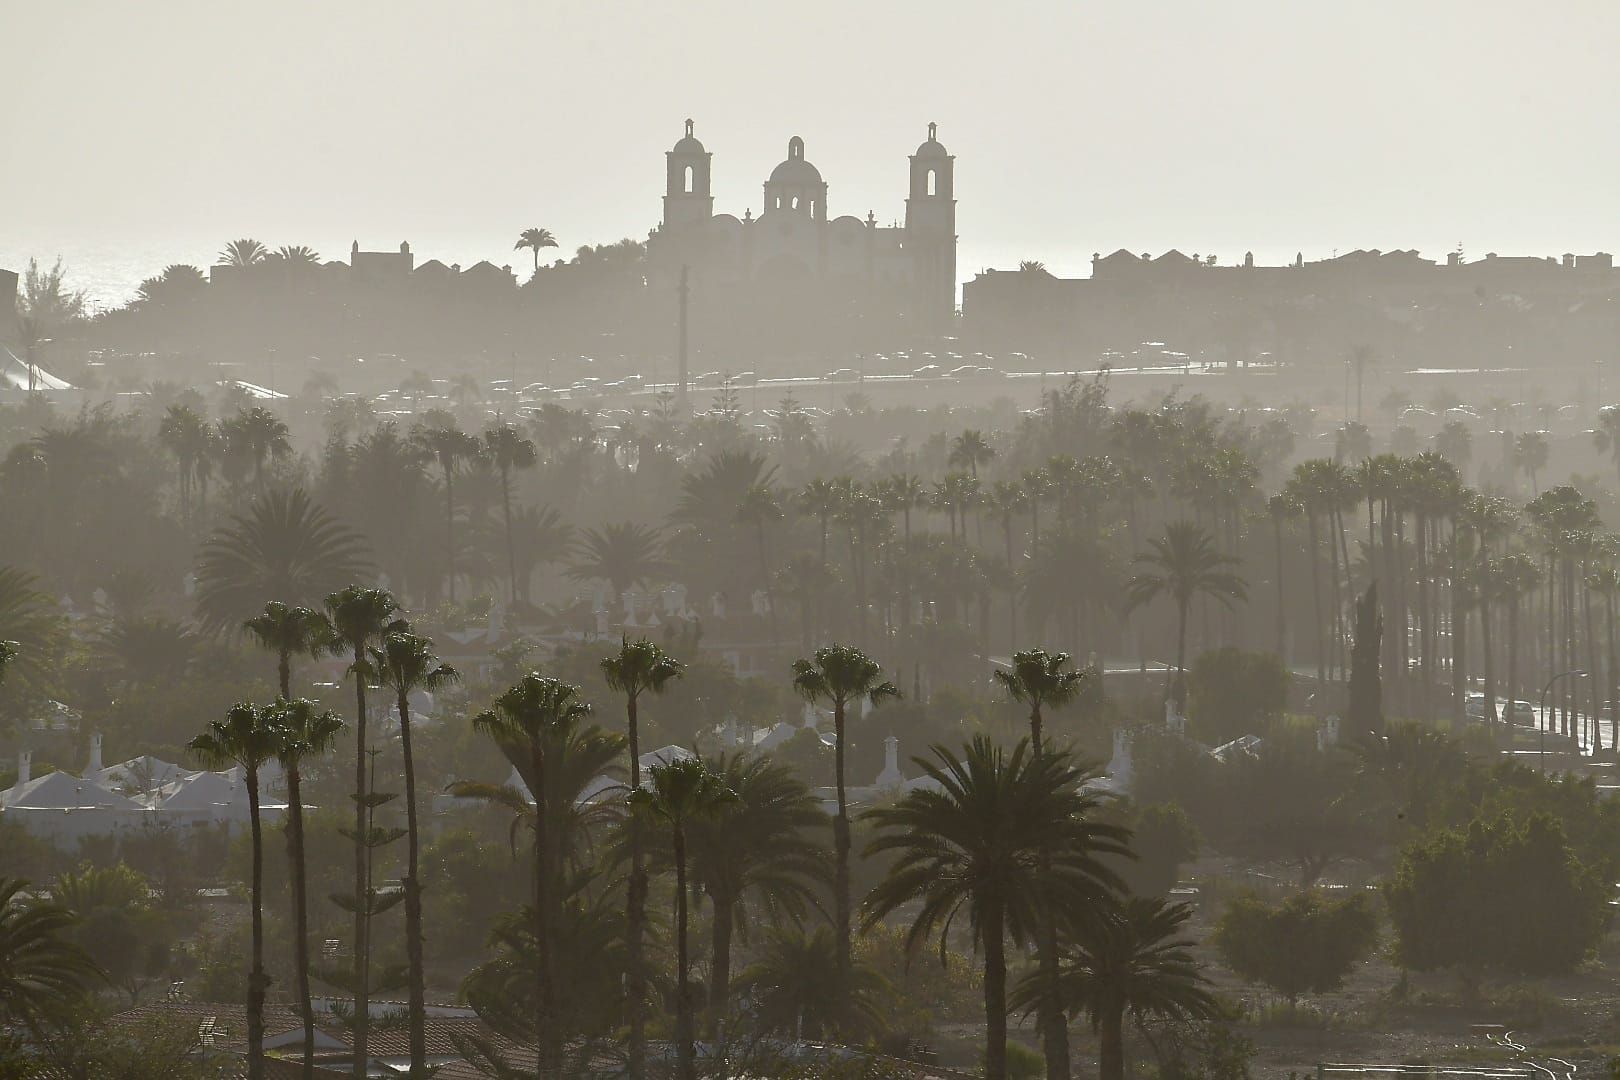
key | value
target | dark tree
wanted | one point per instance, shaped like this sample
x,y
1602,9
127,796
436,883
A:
x,y
1366,709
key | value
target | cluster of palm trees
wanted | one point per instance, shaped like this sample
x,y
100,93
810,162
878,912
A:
x,y
1452,560
1014,839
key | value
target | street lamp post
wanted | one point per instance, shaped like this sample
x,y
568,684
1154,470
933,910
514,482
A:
x,y
1577,673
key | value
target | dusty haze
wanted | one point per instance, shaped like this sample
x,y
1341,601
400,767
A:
x,y
140,135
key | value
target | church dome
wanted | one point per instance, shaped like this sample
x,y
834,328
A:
x,y
795,170
933,147
689,143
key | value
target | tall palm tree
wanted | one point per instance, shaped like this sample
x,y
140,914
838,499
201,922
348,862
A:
x,y
1132,958
285,546
1515,576
1530,456
256,435
245,252
622,554
185,434
405,664
535,714
838,676
680,794
360,616
759,852
538,535
303,730
288,632
1039,679
969,450
247,737
760,508
43,971
1281,507
822,499
507,449
1183,564
1000,835
638,668
535,239
451,448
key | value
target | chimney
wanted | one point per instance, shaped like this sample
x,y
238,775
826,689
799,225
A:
x,y
92,770
25,767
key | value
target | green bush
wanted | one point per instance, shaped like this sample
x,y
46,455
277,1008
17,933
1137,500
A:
x,y
1235,692
1307,944
1163,838
1504,894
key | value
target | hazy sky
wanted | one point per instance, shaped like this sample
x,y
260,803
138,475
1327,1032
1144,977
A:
x,y
139,134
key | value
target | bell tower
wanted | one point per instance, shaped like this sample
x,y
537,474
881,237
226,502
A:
x,y
931,228
686,187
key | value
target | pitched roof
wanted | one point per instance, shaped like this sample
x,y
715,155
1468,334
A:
x,y
63,791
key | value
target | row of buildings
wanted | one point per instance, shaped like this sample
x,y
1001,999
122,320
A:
x,y
1496,310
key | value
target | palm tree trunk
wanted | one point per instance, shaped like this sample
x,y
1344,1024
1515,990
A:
x,y
686,1053
1512,662
295,846
511,551
1596,680
416,1001
1111,1042
1316,601
1180,694
720,965
1282,624
257,980
1614,677
547,1038
995,993
841,847
362,885
636,913
1489,659
450,532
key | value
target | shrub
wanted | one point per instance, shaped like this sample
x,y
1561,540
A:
x,y
1236,692
1502,894
1307,944
1163,838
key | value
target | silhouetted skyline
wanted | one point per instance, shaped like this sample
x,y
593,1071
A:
x,y
1270,127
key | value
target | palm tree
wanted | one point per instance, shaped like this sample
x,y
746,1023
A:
x,y
1001,835
535,239
285,546
680,794
288,631
637,668
524,722
822,499
1360,357
538,535
837,676
186,435
299,255
450,447
245,252
760,508
1281,507
1131,958
360,616
1039,678
247,737
29,621
760,851
256,434
507,449
797,991
622,554
303,730
969,450
43,972
1183,564
405,664
1530,456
